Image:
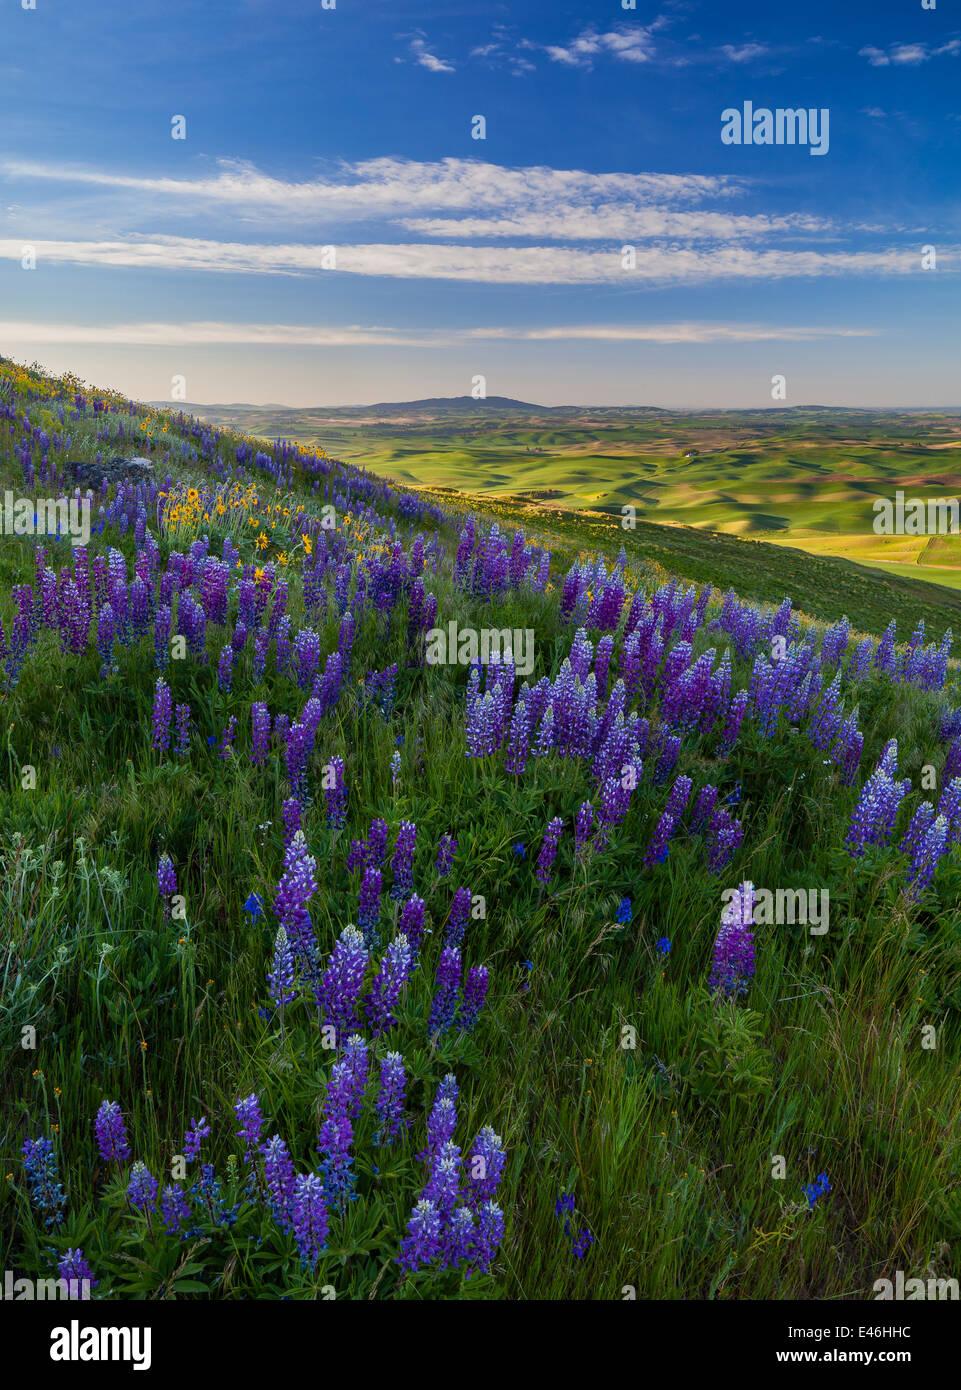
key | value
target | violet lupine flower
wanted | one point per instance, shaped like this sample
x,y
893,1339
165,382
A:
x,y
225,746
260,721
142,1188
924,860
485,1166
296,887
446,992
337,1133
174,1208
225,668
518,739
458,1240
308,1219
403,862
703,807
914,834
444,1181
183,730
949,806
458,919
335,793
193,1138
106,634
475,992
162,711
411,925
423,1243
732,965
307,647
877,808
368,912
659,848
280,978
166,879
545,860
73,1267
43,1179
339,988
278,1179
732,727
583,828
111,1133
290,813
394,972
161,641
445,855
677,800
357,1054
490,1233
390,1098
721,838
251,1123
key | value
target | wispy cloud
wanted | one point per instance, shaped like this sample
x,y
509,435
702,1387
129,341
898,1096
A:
x,y
628,43
908,54
425,59
213,333
743,53
532,265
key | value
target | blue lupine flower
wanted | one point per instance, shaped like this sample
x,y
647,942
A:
x,y
663,947
254,906
818,1188
519,849
624,911
43,1180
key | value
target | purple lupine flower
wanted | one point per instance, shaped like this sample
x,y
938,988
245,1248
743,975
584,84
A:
x,y
485,1166
183,730
368,912
444,1181
583,828
442,1120
445,855
166,879
403,862
446,991
475,992
732,726
679,796
732,965
335,793
225,746
193,1138
924,860
721,838
411,925
423,1242
111,1133
106,634
225,668
518,739
278,1179
308,1219
161,641
458,919
703,807
337,1133
458,1239
920,821
280,978
43,1179
290,813
877,808
394,972
357,1054
296,887
260,721
490,1233
307,647
73,1267
390,1098
659,848
251,1123
162,711
339,988
545,860
174,1207
142,1188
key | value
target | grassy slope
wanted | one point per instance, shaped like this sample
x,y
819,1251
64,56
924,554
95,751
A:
x,y
668,1145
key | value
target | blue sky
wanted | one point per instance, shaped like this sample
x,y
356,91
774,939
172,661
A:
x,y
310,128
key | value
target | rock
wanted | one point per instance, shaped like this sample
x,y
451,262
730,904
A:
x,y
97,475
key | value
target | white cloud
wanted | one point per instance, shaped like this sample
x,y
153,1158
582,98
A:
x,y
908,54
604,223
630,44
744,52
534,265
428,60
213,333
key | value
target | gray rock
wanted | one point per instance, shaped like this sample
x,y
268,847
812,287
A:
x,y
90,473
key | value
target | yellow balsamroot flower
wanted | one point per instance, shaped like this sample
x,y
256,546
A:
x,y
308,544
